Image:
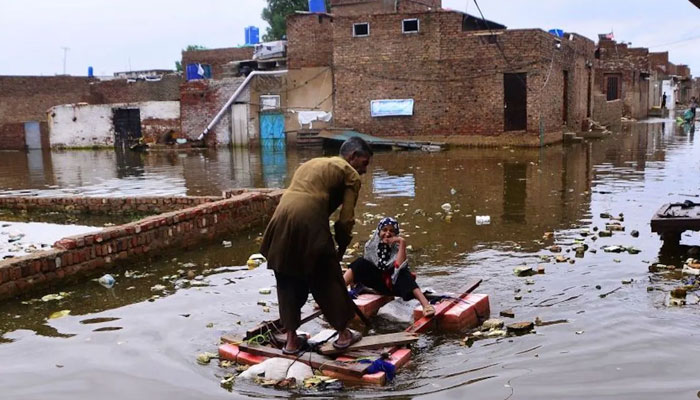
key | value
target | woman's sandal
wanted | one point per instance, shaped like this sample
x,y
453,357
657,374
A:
x,y
356,337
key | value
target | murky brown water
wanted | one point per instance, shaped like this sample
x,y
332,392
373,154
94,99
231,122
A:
x,y
629,344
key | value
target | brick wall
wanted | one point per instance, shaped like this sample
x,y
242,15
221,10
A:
x,y
12,136
27,98
82,255
217,58
455,77
364,7
122,91
103,205
310,41
631,65
200,100
659,61
607,113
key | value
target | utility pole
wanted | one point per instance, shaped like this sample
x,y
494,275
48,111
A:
x,y
65,55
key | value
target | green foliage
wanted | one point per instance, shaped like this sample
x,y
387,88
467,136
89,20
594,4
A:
x,y
178,64
275,15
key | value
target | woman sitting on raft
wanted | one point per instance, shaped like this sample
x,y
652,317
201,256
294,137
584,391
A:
x,y
384,267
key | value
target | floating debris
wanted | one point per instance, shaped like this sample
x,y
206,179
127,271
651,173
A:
x,y
520,327
206,357
59,314
107,281
255,260
265,291
509,313
483,219
523,271
493,323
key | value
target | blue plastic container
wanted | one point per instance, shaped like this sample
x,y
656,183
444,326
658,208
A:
x,y
317,6
557,32
90,72
252,35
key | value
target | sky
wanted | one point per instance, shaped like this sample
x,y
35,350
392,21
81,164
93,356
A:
x,y
113,36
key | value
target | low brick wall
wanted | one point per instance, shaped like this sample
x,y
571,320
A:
x,y
80,255
607,113
103,205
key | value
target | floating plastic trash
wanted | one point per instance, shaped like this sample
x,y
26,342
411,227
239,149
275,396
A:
x,y
483,219
255,260
106,280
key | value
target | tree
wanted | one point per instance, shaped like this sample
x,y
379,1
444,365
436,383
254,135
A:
x,y
276,12
191,47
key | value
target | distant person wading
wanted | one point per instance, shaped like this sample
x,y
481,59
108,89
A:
x,y
299,246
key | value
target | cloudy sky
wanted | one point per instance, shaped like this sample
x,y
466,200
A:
x,y
123,35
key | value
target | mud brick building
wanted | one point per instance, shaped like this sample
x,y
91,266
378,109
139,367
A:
x,y
216,62
624,72
25,101
471,80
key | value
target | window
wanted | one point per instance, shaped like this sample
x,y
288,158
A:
x,y
411,25
360,30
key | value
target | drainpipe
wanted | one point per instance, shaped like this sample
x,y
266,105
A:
x,y
234,96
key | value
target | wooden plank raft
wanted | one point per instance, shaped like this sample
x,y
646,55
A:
x,y
312,359
373,342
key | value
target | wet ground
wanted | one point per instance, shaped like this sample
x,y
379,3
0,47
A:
x,y
622,340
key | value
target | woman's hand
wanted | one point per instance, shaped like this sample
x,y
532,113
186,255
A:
x,y
394,239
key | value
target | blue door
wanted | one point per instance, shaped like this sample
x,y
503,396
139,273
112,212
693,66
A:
x,y
273,153
272,131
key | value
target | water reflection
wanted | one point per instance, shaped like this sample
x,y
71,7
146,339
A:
x,y
526,192
385,185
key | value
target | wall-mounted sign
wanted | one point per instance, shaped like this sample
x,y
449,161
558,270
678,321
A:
x,y
269,102
391,108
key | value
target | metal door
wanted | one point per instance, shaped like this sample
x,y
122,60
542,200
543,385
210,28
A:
x,y
127,126
272,131
32,135
515,102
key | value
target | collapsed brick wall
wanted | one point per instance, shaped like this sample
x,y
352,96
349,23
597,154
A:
x,y
200,101
103,205
217,59
310,42
607,113
364,7
82,254
123,91
454,77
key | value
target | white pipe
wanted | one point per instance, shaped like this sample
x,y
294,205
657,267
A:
x,y
230,101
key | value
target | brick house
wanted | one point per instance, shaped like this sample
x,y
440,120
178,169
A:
x,y
473,81
624,72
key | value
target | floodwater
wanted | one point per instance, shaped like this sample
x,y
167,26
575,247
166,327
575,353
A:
x,y
621,341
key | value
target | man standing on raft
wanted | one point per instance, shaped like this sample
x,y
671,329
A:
x,y
299,246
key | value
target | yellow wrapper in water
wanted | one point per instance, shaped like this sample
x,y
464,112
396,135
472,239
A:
x,y
252,264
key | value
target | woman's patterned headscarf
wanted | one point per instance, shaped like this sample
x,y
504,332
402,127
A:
x,y
388,221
